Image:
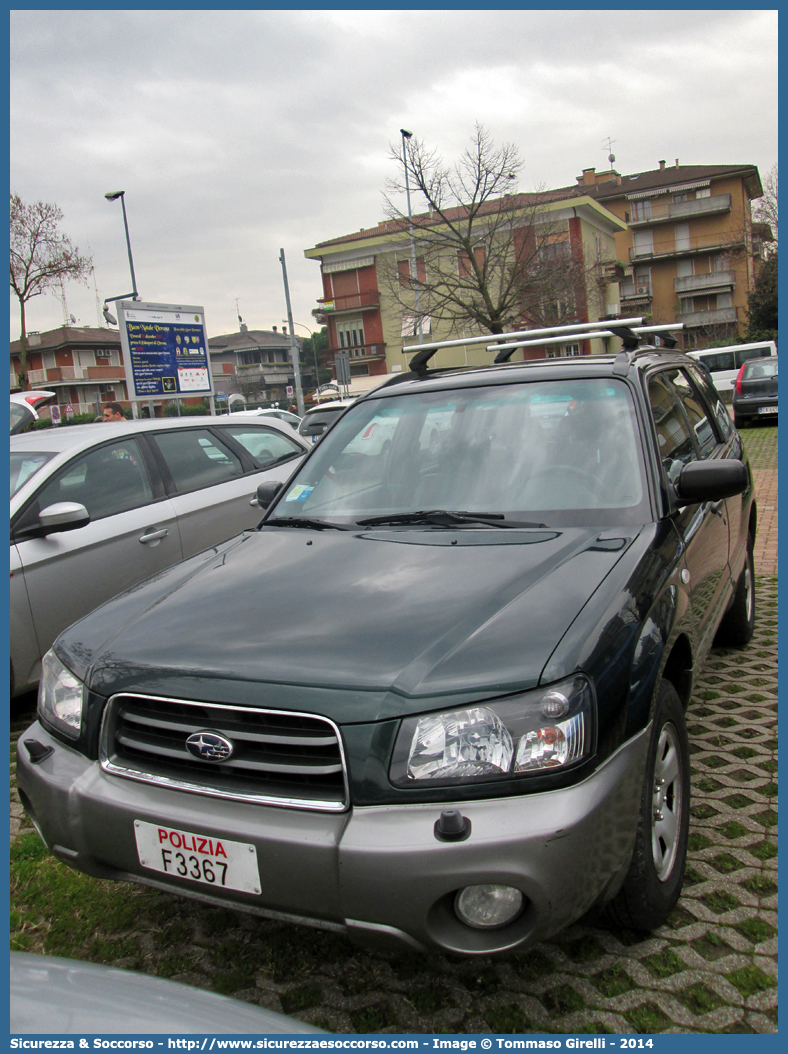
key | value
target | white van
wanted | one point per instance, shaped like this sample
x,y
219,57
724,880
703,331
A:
x,y
725,363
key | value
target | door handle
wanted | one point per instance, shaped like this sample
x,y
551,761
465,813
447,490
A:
x,y
154,535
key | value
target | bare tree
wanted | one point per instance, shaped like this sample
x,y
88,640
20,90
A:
x,y
766,209
487,256
41,259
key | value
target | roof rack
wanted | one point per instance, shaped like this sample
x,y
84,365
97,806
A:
x,y
630,335
418,364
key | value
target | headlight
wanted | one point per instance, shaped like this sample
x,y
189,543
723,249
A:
x,y
61,697
526,734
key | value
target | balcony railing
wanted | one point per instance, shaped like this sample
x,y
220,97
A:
x,y
664,212
702,283
363,351
698,244
353,302
77,374
716,317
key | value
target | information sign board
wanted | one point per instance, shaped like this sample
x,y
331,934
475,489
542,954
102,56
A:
x,y
165,350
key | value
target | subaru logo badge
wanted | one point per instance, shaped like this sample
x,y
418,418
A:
x,y
209,746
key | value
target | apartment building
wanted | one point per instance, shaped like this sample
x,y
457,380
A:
x,y
371,324
690,248
254,363
83,365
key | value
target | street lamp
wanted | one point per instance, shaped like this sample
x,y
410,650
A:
x,y
314,350
413,274
113,195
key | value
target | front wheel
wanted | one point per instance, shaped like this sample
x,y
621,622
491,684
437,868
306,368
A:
x,y
738,623
656,874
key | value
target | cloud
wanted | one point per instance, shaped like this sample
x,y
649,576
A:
x,y
237,133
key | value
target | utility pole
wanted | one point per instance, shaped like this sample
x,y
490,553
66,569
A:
x,y
293,341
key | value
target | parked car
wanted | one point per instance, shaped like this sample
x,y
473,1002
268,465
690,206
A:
x,y
724,364
437,698
755,391
283,415
318,419
25,407
96,509
66,997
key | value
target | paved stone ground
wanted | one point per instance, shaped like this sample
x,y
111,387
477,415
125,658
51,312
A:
x,y
711,968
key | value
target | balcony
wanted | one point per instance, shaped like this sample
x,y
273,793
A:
x,y
719,316
666,212
354,302
77,375
714,282
264,372
700,243
363,352
634,294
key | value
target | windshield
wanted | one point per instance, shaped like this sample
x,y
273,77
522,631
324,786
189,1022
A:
x,y
24,466
554,452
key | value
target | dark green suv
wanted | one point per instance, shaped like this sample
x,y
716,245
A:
x,y
437,697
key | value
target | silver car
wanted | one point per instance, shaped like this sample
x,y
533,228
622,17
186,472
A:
x,y
96,509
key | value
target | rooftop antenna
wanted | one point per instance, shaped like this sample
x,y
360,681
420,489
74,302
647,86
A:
x,y
608,143
238,312
63,303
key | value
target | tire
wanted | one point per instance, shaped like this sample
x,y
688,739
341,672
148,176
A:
x,y
656,874
738,622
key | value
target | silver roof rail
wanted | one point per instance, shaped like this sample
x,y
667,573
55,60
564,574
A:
x,y
418,364
613,329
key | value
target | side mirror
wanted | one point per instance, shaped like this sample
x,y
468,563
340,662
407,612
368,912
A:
x,y
711,481
266,492
63,516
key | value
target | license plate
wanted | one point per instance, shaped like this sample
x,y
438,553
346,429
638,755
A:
x,y
767,409
208,859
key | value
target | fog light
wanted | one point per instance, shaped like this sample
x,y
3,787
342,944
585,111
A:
x,y
486,907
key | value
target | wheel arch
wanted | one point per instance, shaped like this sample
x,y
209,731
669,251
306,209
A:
x,y
678,668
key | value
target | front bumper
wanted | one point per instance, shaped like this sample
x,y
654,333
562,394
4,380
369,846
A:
x,y
376,873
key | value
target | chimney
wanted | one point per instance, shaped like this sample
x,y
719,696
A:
x,y
284,331
34,338
244,328
677,162
273,329
588,177
662,166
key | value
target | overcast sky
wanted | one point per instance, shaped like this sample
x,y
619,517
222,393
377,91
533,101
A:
x,y
235,134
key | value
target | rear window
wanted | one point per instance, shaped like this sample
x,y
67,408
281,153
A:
x,y
760,368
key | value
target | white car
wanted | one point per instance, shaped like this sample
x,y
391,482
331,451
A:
x,y
25,406
283,415
97,508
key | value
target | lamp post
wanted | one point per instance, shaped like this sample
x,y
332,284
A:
x,y
413,273
293,345
113,195
314,350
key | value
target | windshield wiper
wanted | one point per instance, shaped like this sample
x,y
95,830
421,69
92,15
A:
x,y
304,521
443,518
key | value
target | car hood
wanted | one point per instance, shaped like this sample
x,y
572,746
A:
x,y
409,613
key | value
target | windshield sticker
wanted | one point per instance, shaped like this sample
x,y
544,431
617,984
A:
x,y
299,493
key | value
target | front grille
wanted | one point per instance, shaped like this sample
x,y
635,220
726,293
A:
x,y
278,758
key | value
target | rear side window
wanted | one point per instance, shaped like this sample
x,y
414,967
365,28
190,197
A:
x,y
712,396
106,481
698,419
676,448
750,353
196,458
266,446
